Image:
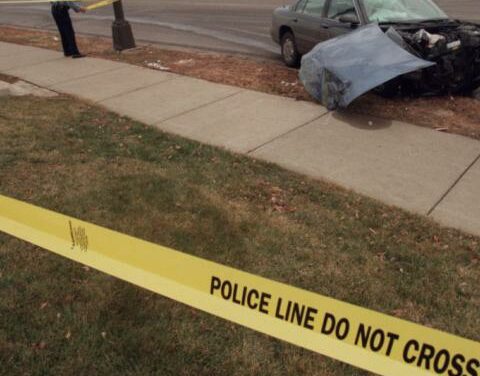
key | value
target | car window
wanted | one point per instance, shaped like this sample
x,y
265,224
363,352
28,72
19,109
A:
x,y
314,7
300,5
339,8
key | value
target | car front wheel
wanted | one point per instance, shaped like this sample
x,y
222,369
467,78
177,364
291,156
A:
x,y
290,53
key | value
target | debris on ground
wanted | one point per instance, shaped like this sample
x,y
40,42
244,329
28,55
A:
x,y
186,62
289,84
157,65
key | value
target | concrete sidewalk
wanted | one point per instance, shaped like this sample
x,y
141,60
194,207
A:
x,y
418,169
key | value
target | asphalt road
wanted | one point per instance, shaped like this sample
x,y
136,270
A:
x,y
235,26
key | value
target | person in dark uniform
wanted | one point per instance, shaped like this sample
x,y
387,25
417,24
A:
x,y
61,15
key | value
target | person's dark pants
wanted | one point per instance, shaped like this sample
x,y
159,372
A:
x,y
64,24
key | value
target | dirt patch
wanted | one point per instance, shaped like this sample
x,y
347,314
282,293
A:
x,y
459,115
8,79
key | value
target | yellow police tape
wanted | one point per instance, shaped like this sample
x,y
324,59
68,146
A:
x,y
100,4
95,5
366,339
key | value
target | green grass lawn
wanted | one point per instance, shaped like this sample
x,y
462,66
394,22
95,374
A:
x,y
59,318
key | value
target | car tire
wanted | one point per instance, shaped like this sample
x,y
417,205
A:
x,y
290,53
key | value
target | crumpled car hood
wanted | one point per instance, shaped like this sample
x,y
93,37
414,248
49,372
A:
x,y
340,70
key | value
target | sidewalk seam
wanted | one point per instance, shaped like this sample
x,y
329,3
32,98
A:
x,y
82,77
286,133
198,108
135,90
30,65
469,167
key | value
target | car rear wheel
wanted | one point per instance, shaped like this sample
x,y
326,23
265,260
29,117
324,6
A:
x,y
290,53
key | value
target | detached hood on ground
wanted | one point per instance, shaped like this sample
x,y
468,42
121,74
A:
x,y
340,70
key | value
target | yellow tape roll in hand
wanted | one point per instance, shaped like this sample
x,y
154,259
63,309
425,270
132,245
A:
x,y
366,339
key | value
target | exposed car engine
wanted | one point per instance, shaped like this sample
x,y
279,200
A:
x,y
455,48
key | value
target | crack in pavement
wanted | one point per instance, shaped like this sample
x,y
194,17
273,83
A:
x,y
255,149
469,167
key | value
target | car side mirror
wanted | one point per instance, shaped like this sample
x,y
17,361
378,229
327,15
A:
x,y
350,18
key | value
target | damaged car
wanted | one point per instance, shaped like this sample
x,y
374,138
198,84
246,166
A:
x,y
395,46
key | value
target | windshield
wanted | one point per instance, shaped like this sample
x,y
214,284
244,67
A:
x,y
402,10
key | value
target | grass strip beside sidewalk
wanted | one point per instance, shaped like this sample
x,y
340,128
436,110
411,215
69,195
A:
x,y
61,318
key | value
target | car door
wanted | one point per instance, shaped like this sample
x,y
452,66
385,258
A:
x,y
335,9
310,25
